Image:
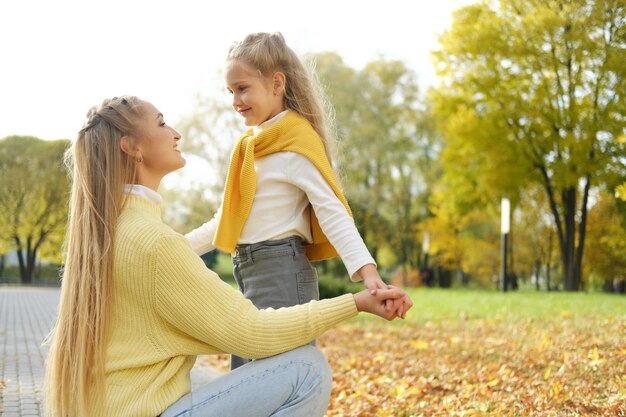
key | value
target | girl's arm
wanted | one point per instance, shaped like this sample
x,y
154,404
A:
x,y
201,239
335,221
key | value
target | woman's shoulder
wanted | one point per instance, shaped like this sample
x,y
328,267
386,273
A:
x,y
142,228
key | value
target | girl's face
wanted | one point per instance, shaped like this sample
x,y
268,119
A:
x,y
255,97
158,144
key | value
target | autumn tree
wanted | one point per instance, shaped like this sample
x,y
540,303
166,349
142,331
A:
x,y
466,242
607,240
33,197
533,93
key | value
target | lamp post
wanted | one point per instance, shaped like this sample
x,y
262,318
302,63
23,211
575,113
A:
x,y
505,228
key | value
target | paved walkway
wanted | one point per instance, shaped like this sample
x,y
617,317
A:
x,y
26,317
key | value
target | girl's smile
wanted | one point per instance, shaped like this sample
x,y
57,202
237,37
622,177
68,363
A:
x,y
256,98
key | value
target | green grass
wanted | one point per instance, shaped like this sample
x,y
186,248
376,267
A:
x,y
432,304
436,305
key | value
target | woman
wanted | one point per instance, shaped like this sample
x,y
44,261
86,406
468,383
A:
x,y
137,304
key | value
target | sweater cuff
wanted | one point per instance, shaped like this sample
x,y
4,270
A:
x,y
338,309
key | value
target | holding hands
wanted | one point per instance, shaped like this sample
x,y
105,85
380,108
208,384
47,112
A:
x,y
388,303
393,303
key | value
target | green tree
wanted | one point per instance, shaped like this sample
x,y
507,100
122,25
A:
x,y
33,197
533,93
387,148
535,240
362,179
4,249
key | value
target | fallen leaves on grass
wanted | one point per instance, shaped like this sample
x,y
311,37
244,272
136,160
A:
x,y
491,367
479,368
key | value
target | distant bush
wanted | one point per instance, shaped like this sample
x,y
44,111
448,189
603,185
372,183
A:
x,y
333,287
41,272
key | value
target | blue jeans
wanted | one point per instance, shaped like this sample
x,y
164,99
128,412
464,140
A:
x,y
293,384
274,273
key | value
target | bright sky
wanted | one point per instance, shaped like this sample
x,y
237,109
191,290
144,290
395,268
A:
x,y
59,57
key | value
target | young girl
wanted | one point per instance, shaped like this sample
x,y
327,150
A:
x,y
137,305
282,205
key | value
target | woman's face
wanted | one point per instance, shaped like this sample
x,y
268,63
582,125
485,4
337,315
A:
x,y
158,143
255,97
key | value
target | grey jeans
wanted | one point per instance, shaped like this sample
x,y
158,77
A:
x,y
274,273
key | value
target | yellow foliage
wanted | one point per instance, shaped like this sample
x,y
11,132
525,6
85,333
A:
x,y
509,119
620,191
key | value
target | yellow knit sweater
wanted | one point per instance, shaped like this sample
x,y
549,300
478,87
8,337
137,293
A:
x,y
291,133
168,307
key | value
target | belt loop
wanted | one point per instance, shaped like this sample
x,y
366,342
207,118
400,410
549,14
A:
x,y
292,241
249,253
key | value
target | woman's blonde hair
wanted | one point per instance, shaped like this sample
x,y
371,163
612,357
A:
x,y
99,170
269,53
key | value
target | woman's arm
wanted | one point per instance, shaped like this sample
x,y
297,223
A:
x,y
196,301
193,299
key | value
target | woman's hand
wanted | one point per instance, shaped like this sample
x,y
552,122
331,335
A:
x,y
400,305
377,303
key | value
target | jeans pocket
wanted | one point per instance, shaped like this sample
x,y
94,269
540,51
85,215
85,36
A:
x,y
308,288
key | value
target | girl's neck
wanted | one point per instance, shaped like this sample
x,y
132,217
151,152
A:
x,y
269,122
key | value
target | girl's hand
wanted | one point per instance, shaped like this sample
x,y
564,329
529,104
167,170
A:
x,y
373,282
371,278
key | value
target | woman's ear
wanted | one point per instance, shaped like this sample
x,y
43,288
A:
x,y
279,81
127,146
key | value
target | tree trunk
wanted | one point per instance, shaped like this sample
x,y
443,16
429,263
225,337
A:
x,y
568,248
582,228
405,281
32,258
26,260
549,260
25,277
537,272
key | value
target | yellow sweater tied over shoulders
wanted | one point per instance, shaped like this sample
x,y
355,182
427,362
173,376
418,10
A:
x,y
292,133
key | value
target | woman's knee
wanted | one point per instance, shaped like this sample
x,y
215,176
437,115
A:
x,y
310,354
319,370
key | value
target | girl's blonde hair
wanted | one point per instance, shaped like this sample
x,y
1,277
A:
x,y
269,53
99,169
